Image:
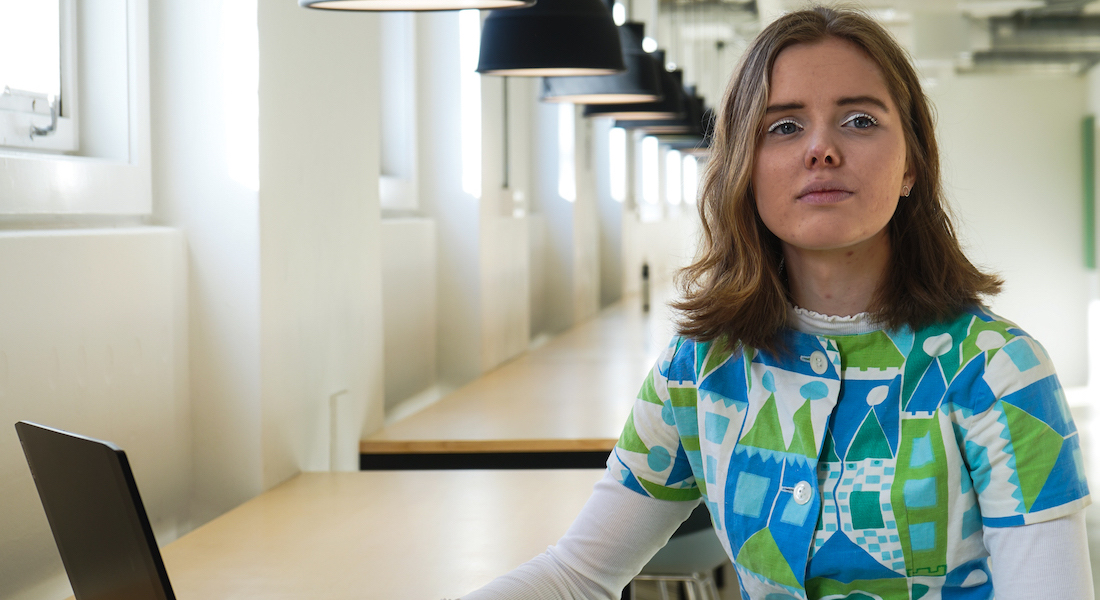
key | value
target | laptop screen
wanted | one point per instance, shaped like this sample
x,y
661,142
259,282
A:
x,y
96,514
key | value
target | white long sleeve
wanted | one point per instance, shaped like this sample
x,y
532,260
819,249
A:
x,y
618,531
613,537
1041,560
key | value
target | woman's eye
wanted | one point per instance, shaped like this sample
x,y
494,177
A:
x,y
861,121
784,127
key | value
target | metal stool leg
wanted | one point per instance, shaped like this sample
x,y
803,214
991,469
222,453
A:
x,y
689,588
663,586
698,586
712,587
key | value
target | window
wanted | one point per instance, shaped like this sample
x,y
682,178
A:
x,y
691,178
567,152
240,54
36,76
617,159
674,192
104,95
651,164
469,36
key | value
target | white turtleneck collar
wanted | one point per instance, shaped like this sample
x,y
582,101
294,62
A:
x,y
808,321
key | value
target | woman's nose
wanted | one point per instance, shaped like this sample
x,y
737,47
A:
x,y
822,151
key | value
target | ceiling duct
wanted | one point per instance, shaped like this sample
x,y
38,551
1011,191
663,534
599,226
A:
x,y
1059,7
1041,41
1036,63
1045,33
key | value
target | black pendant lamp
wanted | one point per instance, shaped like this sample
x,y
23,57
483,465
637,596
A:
x,y
689,123
670,106
553,38
640,82
685,144
417,5
694,144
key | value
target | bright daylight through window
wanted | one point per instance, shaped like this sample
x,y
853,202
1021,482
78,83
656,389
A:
x,y
33,75
617,158
674,193
567,152
651,163
469,34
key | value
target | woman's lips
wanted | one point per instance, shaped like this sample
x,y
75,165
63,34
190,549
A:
x,y
824,196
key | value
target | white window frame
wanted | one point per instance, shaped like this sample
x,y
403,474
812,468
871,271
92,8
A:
x,y
20,111
110,173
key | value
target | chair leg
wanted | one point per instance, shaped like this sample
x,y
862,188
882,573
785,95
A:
x,y
697,586
713,588
702,587
689,589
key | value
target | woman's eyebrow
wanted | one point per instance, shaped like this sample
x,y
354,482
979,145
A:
x,y
783,107
862,100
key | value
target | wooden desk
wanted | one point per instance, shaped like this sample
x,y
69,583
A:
x,y
561,404
410,535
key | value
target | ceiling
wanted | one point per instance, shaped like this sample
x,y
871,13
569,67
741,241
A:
x,y
945,37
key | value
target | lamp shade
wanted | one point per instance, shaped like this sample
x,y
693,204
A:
x,y
685,144
639,83
692,143
417,5
689,123
670,106
552,38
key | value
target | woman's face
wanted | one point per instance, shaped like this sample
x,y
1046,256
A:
x,y
831,164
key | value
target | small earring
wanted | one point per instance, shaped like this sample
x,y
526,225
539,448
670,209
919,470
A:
x,y
905,191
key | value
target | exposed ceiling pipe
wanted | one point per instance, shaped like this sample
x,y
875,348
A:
x,y
1045,33
1048,42
1063,7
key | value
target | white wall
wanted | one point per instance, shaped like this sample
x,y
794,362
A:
x,y
568,249
198,49
538,262
285,316
610,218
661,236
320,223
504,272
556,214
456,213
212,361
261,310
477,260
1011,155
665,246
93,338
586,223
410,307
506,288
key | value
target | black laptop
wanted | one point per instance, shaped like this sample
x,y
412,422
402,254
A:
x,y
96,514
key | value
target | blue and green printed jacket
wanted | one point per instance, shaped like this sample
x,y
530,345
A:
x,y
860,466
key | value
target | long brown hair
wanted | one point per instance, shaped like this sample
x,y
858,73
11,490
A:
x,y
735,290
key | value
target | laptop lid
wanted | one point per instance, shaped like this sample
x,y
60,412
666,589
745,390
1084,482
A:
x,y
96,514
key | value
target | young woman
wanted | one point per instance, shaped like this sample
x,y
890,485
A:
x,y
857,423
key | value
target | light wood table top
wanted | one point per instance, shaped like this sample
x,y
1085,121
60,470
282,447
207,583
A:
x,y
572,393
411,535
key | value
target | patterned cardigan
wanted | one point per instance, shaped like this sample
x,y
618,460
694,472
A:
x,y
860,464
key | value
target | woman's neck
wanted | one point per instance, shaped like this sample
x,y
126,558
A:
x,y
837,282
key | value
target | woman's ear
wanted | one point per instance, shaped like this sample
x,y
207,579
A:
x,y
908,180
